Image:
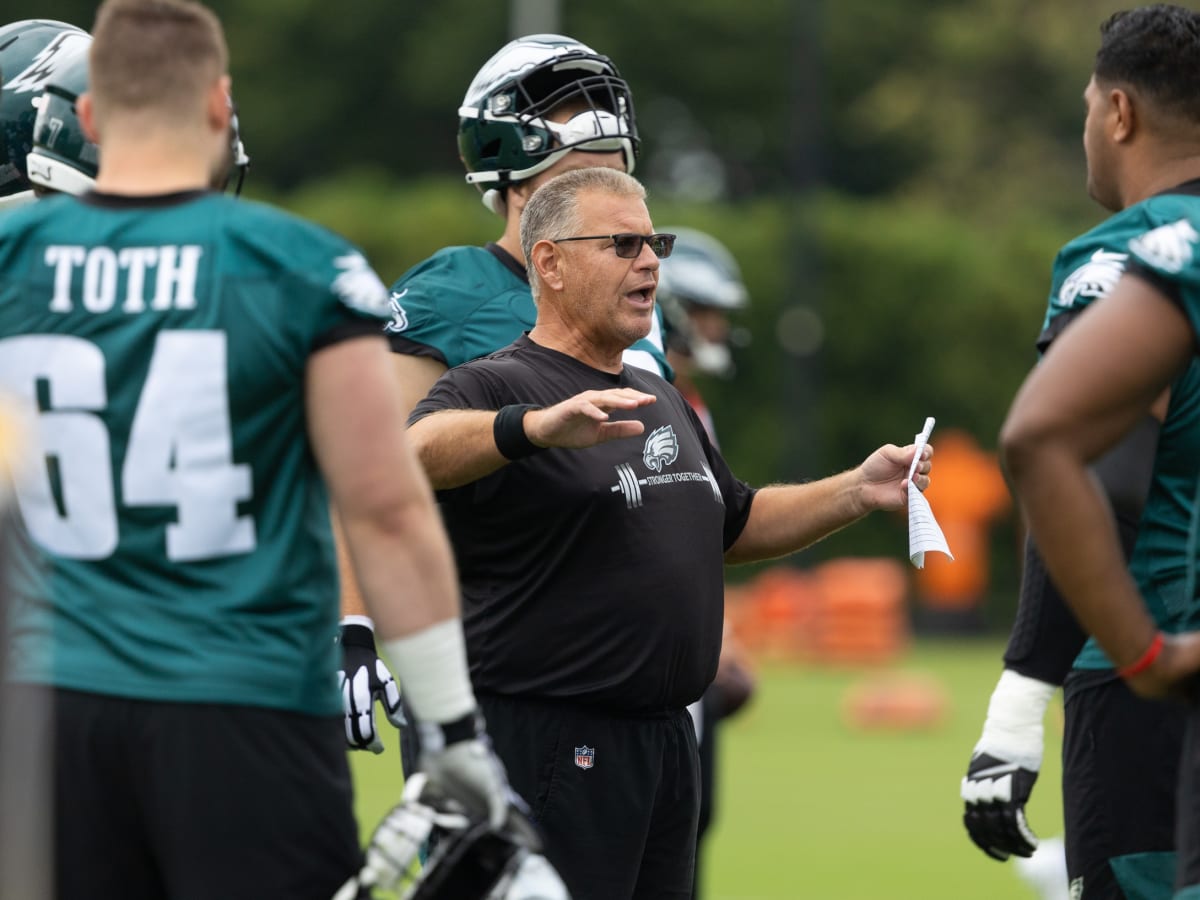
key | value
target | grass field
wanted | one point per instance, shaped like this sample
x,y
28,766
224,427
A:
x,y
811,808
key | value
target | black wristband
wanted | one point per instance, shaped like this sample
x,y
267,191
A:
x,y
467,728
508,431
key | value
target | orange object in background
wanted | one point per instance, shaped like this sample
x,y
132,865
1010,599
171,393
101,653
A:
x,y
845,611
895,702
967,492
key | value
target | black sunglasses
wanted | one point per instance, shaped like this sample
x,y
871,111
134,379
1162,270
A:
x,y
628,245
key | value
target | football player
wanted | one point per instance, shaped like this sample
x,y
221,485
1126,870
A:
x,y
1120,752
204,375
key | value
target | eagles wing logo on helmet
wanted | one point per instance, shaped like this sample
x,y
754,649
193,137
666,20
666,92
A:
x,y
1170,247
662,448
1094,278
359,286
47,62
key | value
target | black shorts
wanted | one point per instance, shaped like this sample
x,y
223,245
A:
x,y
617,798
196,801
1120,768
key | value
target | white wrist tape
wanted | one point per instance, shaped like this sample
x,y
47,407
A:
x,y
1013,730
365,621
431,666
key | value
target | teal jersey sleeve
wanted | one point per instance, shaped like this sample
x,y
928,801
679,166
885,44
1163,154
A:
x,y
464,303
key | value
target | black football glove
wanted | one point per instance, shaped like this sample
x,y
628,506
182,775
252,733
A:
x,y
995,793
363,679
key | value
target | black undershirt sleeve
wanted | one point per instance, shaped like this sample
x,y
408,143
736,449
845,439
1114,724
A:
x,y
1045,637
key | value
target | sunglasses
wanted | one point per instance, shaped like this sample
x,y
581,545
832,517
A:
x,y
629,245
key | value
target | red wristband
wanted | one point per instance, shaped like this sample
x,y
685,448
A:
x,y
1147,659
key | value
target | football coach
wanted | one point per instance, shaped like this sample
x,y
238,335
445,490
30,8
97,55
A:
x,y
591,518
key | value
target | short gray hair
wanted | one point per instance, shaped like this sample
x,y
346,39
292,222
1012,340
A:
x,y
553,209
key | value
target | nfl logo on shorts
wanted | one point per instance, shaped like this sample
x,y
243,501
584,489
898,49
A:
x,y
585,757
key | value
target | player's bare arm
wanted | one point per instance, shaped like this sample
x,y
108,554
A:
x,y
386,509
415,375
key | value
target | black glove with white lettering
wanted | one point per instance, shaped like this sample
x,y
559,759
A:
x,y
363,679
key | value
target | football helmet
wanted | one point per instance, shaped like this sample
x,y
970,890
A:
x,y
62,158
469,860
32,53
700,273
505,133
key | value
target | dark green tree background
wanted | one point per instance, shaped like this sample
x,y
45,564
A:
x,y
895,179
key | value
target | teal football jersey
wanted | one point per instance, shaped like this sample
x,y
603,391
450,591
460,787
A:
x,y
1087,268
464,303
179,544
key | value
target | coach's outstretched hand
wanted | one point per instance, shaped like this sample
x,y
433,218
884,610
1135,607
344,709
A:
x,y
459,761
583,420
1004,767
363,679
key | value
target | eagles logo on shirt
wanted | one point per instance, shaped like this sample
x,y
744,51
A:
x,y
1094,278
359,286
1169,247
662,448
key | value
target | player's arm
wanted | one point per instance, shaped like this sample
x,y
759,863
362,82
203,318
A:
x,y
401,558
786,518
415,375
1089,391
364,677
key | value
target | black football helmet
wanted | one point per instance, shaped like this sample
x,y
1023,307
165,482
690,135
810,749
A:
x,y
469,859
505,134
699,273
32,53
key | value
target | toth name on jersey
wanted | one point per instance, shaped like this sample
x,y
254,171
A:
x,y
137,278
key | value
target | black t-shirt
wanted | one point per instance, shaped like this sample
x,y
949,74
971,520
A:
x,y
593,575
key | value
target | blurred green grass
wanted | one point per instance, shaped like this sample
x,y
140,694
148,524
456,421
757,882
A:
x,y
810,807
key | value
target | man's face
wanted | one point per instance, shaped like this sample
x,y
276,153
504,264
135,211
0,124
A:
x,y
1098,148
607,298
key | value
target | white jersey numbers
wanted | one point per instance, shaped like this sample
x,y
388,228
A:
x,y
179,451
